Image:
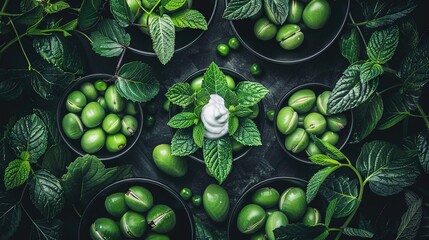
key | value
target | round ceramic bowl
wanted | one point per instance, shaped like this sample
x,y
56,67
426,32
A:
x,y
318,88
315,41
162,194
75,145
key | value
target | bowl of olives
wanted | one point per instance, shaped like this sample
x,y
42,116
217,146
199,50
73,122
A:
x,y
233,78
93,118
270,204
303,111
136,208
310,28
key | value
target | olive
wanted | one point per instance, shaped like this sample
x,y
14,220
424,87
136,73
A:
x,y
258,236
251,218
336,122
132,224
186,193
89,90
143,22
111,123
301,120
171,165
76,100
311,217
297,141
115,204
290,36
92,114
302,100
322,102
270,14
275,220
315,123
316,14
330,137
312,149
230,82
149,121
139,199
234,43
161,218
166,105
93,140
155,236
130,108
72,126
197,83
116,142
102,101
222,49
129,125
236,146
134,6
270,115
295,11
293,203
264,29
197,200
216,202
114,101
255,113
266,197
105,228
287,120
255,69
100,85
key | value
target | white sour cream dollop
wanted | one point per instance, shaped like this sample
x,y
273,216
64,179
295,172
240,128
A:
x,y
215,117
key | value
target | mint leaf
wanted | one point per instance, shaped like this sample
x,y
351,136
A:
x,y
408,35
163,34
49,119
230,98
370,70
218,157
215,81
330,211
250,93
56,158
355,232
410,221
317,180
233,124
109,39
11,84
344,191
240,9
241,111
350,46
16,173
181,94
366,121
10,215
323,160
422,143
121,12
31,16
279,9
136,82
395,110
56,7
189,18
171,5
328,148
203,97
299,231
382,44
248,133
183,143
182,120
90,13
198,134
380,13
47,229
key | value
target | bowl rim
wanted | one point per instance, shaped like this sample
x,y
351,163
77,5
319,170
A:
x,y
260,104
280,106
140,180
59,110
296,61
153,54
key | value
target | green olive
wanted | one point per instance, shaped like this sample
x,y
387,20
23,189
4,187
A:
x,y
114,101
293,203
311,217
76,101
72,126
234,43
130,108
251,218
102,101
197,200
258,236
302,101
330,137
270,115
149,121
222,49
132,224
161,218
115,204
315,123
92,114
290,36
255,113
264,29
100,85
322,102
266,197
93,140
301,120
148,4
134,6
105,228
236,146
139,199
116,142
186,193
155,236
336,122
255,69
143,22
297,141
295,11
197,83
312,149
111,123
287,120
171,165
129,125
230,82
316,14
89,90
166,105
216,202
275,220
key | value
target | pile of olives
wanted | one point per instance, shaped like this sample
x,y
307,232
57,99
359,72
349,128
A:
x,y
314,15
129,208
269,210
307,114
100,117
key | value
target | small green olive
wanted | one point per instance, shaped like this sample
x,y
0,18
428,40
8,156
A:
x,y
266,197
234,43
255,113
148,4
315,123
111,123
295,11
255,69
115,204
297,141
270,115
105,228
336,122
171,165
230,82
287,120
312,149
251,218
270,14
89,90
76,101
316,14
290,36
92,114
222,49
186,193
134,6
236,146
216,202
293,203
302,101
155,236
130,108
116,142
93,140
132,224
148,121
114,101
129,125
264,29
102,101
275,220
197,83
311,217
139,199
161,218
197,200
258,236
72,126
322,102
330,137
166,105
143,22
100,85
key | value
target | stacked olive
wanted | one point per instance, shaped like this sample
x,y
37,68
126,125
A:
x,y
270,210
137,215
314,15
307,114
99,117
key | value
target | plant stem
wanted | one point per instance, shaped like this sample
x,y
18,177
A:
x,y
76,211
22,193
11,42
423,115
5,14
358,28
120,61
360,23
389,88
83,34
390,70
4,5
20,44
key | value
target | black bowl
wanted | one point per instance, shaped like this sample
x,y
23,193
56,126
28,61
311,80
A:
x,y
103,154
315,41
260,120
279,183
142,43
318,88
162,195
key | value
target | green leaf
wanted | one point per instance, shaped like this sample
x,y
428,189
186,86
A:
x,y
215,81
395,110
198,134
366,121
56,7
279,9
163,34
16,173
344,191
328,148
355,232
386,168
382,44
11,84
423,150
233,124
70,26
248,133
323,160
350,46
171,5
27,5
183,143
241,111
330,210
350,91
414,69
45,229
380,13
29,134
121,12
203,97
317,180
408,35
206,232
299,231
230,98
109,39
410,221
181,94
240,9
49,119
218,157
56,158
10,215
250,93
182,120
370,70
46,193
90,13
136,82
30,17
189,18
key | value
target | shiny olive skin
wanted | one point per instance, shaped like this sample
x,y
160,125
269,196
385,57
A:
x,y
311,217
186,193
322,102
295,11
270,115
233,43
143,22
236,146
111,123
230,82
72,126
161,218
100,85
216,202
255,69
171,165
255,113
149,121
114,101
251,218
132,224
116,142
92,114
115,204
93,140
76,101
336,122
196,200
105,228
316,14
134,7
275,220
266,197
315,123
301,120
139,199
89,90
166,105
155,236
129,125
222,49
297,141
130,108
258,236
264,29
312,149
102,101
287,120
330,137
197,83
293,203
302,100
290,36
